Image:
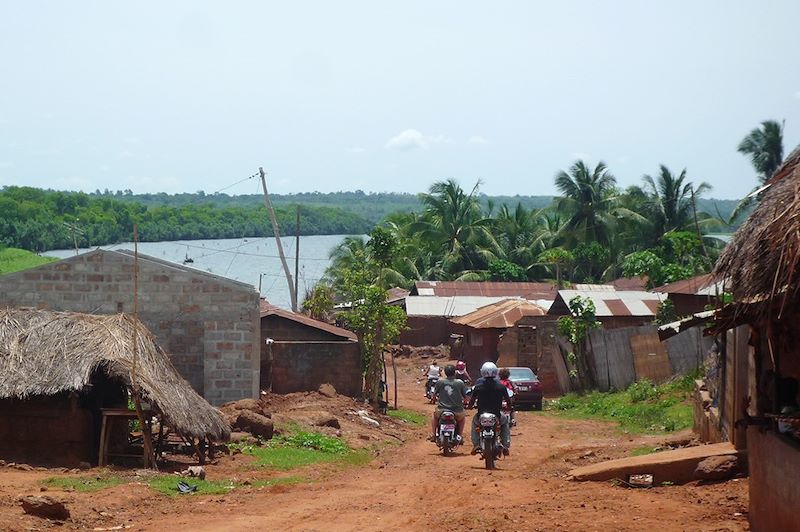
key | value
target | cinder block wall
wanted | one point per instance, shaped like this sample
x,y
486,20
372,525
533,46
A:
x,y
303,366
208,325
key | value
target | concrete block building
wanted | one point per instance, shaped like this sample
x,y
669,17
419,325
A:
x,y
208,324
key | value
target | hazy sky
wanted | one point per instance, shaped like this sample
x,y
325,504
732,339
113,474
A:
x,y
388,96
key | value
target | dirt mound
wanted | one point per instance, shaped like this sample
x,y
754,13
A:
x,y
423,352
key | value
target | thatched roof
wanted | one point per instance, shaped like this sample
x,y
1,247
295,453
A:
x,y
46,353
761,263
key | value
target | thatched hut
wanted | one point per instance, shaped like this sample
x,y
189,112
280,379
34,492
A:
x,y
59,369
761,266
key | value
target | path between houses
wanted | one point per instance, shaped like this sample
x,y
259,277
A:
x,y
413,487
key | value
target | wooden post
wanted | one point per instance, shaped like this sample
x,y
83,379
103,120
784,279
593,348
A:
x,y
394,370
277,232
147,440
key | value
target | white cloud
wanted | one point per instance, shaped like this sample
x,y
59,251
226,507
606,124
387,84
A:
x,y
477,139
74,183
126,154
6,164
412,139
355,149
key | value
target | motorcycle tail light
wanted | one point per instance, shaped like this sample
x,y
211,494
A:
x,y
448,417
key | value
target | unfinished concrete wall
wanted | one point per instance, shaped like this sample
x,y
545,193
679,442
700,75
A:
x,y
774,461
209,325
303,366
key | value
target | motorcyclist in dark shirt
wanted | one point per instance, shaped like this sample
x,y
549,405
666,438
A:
x,y
489,393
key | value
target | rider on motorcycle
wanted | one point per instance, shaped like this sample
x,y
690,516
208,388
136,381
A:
x,y
490,393
432,372
450,396
462,373
505,380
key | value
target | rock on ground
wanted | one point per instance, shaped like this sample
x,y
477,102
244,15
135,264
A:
x,y
327,390
44,506
717,468
255,424
326,419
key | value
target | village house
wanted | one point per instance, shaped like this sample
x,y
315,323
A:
x,y
758,350
208,324
300,353
613,308
482,332
693,295
65,373
431,305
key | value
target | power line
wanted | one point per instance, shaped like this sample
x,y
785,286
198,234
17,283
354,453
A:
x,y
234,184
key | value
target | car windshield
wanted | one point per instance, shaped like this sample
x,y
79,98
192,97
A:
x,y
522,374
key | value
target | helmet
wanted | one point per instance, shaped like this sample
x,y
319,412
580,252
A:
x,y
489,370
460,365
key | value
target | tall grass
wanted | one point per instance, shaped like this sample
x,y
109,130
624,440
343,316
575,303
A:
x,y
14,260
643,408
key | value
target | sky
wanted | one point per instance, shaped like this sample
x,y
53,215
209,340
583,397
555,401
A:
x,y
175,96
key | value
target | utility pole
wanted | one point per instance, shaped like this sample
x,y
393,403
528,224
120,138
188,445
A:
x,y
297,256
697,225
276,230
75,231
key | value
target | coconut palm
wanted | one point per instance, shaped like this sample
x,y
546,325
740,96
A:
x,y
454,225
670,200
764,147
588,198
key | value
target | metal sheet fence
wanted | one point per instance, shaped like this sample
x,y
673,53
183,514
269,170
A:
x,y
618,353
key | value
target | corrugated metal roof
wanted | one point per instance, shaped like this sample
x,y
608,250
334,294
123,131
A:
x,y
267,309
447,306
396,294
528,291
500,315
692,286
612,302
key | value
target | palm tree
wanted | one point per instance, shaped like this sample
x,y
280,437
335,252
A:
x,y
588,197
455,226
764,146
671,200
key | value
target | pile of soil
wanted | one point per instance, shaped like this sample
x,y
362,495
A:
x,y
423,352
322,411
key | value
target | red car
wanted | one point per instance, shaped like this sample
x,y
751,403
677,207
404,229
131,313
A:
x,y
529,389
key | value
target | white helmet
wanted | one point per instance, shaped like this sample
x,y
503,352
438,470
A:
x,y
489,370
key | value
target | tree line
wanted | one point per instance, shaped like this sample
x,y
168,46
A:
x,y
594,231
39,220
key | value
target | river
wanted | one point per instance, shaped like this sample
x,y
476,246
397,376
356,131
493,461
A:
x,y
250,260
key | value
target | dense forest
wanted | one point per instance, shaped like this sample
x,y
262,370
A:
x,y
39,220
373,206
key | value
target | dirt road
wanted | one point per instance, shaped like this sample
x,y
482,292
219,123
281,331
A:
x,y
413,487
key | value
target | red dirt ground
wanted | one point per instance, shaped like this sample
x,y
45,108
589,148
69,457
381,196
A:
x,y
412,487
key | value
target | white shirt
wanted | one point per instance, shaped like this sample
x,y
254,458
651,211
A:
x,y
433,371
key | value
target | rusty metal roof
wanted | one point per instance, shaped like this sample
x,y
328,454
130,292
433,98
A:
x,y
694,286
530,291
500,315
268,309
610,302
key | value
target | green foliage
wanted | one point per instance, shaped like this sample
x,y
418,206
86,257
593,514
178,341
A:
x,y
85,483
34,219
503,270
642,408
14,260
642,451
409,416
301,448
575,328
319,302
666,312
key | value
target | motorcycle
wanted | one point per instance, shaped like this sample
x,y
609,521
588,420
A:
x,y
489,429
430,388
447,438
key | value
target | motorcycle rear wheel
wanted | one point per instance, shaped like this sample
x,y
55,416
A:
x,y
488,453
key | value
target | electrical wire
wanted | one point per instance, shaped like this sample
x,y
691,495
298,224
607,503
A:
x,y
234,184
